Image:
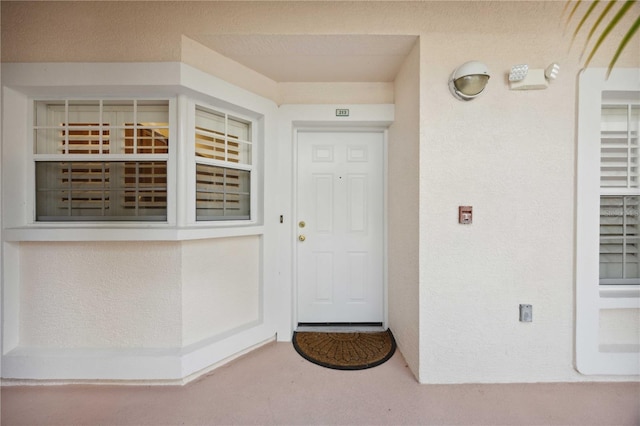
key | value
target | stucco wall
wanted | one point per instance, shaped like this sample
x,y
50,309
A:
x,y
509,154
221,286
211,62
403,206
205,59
100,295
152,31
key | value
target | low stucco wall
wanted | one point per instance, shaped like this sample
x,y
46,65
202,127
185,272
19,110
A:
x,y
127,295
100,295
220,286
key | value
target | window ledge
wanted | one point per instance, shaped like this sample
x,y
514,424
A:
x,y
123,233
620,348
620,297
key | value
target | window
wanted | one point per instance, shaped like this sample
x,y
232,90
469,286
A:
x,y
619,191
98,160
607,227
176,155
223,152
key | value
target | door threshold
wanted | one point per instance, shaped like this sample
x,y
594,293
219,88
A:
x,y
340,327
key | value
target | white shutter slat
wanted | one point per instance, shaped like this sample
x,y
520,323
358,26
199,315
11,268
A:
x,y
619,240
619,146
618,188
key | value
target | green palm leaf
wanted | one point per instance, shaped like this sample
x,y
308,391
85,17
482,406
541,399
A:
x,y
634,28
618,16
615,20
584,19
596,25
573,11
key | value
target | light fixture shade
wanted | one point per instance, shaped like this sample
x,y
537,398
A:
x,y
469,80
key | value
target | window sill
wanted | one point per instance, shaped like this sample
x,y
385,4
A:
x,y
620,297
620,348
128,233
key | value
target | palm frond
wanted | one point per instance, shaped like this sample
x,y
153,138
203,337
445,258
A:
x,y
625,40
603,16
614,21
566,7
573,11
583,20
596,25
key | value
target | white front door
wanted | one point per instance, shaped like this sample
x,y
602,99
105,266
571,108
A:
x,y
340,226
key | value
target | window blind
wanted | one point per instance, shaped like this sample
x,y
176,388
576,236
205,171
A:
x,y
223,166
101,160
619,193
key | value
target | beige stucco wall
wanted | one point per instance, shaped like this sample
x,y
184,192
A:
x,y
403,162
173,31
221,286
152,31
509,154
136,294
100,295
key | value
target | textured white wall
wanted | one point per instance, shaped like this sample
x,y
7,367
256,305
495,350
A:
x,y
619,327
403,207
221,286
100,295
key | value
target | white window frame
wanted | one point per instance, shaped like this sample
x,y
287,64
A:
x,y
107,158
178,82
253,168
619,181
591,297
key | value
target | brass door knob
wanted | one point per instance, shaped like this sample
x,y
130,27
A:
x,y
302,238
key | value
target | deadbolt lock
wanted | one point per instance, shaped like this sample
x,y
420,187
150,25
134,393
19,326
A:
x,y
302,238
301,224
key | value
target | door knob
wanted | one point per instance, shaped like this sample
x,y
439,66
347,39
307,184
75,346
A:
x,y
301,224
302,238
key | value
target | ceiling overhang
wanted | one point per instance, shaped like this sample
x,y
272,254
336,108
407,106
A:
x,y
315,58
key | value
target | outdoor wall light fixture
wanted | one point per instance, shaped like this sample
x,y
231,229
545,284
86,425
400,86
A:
x,y
468,80
522,78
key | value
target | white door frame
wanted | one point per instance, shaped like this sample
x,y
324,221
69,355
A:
x,y
293,119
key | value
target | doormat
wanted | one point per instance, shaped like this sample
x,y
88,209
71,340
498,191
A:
x,y
345,351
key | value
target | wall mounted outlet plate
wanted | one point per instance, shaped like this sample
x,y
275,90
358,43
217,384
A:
x,y
526,313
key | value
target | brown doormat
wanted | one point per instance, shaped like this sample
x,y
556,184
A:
x,y
345,351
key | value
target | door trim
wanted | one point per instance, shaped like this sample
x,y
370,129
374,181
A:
x,y
293,119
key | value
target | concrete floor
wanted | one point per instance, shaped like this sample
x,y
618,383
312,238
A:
x,y
275,386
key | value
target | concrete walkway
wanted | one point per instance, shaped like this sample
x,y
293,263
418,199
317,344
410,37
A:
x,y
275,386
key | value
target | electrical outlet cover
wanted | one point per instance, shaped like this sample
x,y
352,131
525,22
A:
x,y
526,313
